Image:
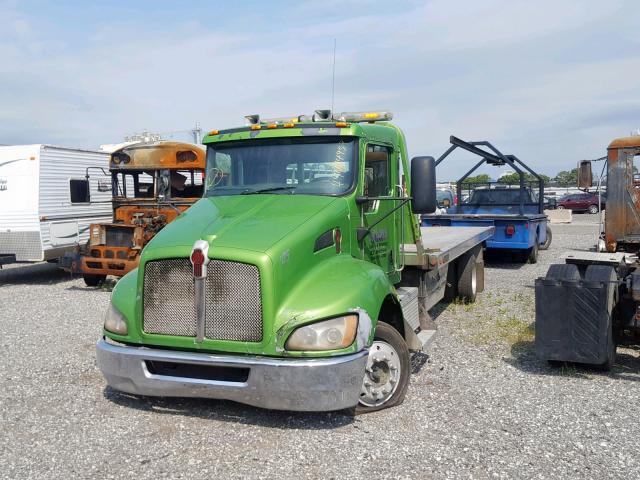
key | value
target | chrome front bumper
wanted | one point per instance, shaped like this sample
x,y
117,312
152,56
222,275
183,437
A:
x,y
310,384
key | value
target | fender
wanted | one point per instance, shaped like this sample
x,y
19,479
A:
x,y
339,285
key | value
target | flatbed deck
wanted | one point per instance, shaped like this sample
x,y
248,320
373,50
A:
x,y
489,216
442,245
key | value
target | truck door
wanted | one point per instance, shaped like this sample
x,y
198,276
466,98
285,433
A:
x,y
381,245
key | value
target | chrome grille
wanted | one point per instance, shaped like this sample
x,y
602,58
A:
x,y
233,305
233,300
168,297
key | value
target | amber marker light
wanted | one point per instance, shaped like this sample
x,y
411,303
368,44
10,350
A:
x,y
214,132
272,125
342,124
256,127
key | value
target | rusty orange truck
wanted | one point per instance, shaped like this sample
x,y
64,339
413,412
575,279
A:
x,y
151,184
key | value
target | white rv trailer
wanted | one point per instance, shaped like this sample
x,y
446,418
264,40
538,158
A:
x,y
46,201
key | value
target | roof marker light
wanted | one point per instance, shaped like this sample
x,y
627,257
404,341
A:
x,y
272,125
255,127
214,132
364,116
342,124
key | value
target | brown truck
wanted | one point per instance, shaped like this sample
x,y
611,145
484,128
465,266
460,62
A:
x,y
152,183
591,303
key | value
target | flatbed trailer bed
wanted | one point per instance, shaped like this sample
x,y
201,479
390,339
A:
x,y
442,245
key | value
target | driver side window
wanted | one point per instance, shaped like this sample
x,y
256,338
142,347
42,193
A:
x,y
377,175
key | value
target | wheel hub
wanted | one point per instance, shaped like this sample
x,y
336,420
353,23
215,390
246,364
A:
x,y
382,375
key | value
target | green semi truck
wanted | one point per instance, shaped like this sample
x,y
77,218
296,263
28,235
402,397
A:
x,y
301,281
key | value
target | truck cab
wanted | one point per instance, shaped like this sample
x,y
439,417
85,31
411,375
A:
x,y
299,282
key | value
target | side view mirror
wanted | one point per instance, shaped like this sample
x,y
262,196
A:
x,y
585,177
423,185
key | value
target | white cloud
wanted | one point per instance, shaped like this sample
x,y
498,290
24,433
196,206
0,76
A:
x,y
517,73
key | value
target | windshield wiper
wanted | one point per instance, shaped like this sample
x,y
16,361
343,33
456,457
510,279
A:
x,y
267,190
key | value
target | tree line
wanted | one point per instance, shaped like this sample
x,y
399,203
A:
x,y
565,178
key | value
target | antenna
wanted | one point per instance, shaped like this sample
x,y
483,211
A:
x,y
333,75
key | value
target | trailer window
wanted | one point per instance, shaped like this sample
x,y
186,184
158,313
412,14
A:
x,y
79,191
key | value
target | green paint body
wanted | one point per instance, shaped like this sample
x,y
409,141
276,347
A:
x,y
277,233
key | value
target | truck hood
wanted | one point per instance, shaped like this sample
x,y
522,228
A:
x,y
248,222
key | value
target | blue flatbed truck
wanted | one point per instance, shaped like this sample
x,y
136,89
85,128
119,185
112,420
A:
x,y
515,212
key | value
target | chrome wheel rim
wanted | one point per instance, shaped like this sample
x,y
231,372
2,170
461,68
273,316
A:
x,y
382,375
473,280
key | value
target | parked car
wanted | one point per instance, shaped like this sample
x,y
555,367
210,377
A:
x,y
581,202
550,203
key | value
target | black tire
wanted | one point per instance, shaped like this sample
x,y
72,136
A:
x,y
467,278
563,271
560,207
532,254
94,280
387,334
593,209
607,274
547,242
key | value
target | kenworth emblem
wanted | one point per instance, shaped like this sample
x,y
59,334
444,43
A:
x,y
199,260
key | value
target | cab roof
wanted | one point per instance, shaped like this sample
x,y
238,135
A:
x,y
156,155
625,142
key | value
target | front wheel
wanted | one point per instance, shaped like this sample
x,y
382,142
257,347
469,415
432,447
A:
x,y
560,207
593,209
386,376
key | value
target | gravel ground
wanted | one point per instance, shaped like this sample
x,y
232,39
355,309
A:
x,y
479,406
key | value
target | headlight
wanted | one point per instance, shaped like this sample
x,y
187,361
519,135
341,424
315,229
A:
x,y
326,335
114,321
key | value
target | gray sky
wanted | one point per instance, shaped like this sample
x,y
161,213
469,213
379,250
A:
x,y
550,81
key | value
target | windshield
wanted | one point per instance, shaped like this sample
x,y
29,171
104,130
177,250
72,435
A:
x,y
306,165
498,197
157,183
442,194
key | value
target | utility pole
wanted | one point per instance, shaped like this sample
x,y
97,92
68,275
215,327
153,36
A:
x,y
197,134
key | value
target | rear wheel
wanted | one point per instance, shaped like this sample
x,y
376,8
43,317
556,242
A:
x,y
467,278
593,209
560,207
386,377
94,280
547,242
532,256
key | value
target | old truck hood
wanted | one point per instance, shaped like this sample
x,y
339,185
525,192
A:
x,y
249,222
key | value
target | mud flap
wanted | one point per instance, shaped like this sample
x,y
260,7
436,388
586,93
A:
x,y
573,320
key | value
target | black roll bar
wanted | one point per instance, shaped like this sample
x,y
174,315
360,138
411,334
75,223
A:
x,y
497,158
